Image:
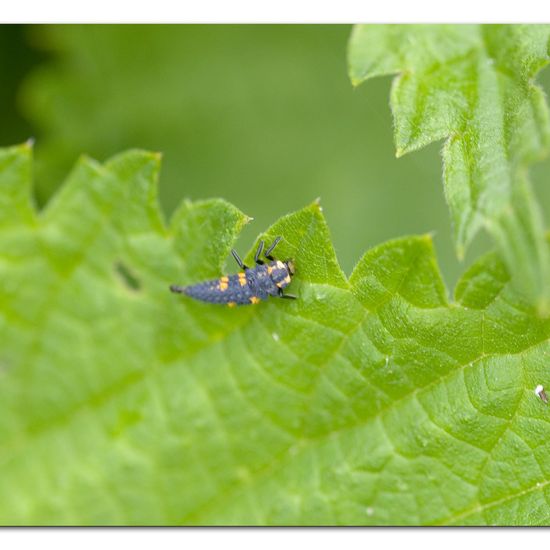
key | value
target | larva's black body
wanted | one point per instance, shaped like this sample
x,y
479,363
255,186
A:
x,y
247,287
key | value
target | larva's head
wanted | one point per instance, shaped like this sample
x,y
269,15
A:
x,y
290,267
281,272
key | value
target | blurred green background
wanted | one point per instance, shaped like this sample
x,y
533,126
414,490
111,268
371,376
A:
x,y
264,116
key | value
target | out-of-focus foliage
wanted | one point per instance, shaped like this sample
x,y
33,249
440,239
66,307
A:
x,y
16,59
263,116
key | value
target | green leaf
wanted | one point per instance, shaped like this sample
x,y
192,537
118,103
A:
x,y
373,400
472,85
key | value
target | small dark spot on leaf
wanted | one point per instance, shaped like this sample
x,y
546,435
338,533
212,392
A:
x,y
128,278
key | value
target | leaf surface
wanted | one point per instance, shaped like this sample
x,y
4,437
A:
x,y
369,400
473,86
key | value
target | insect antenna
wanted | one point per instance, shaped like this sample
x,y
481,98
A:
x,y
258,252
238,259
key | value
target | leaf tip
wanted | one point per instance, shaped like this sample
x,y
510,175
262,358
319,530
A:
x,y
316,205
29,144
155,157
87,161
428,237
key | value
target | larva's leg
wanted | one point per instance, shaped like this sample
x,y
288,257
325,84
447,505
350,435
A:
x,y
287,296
